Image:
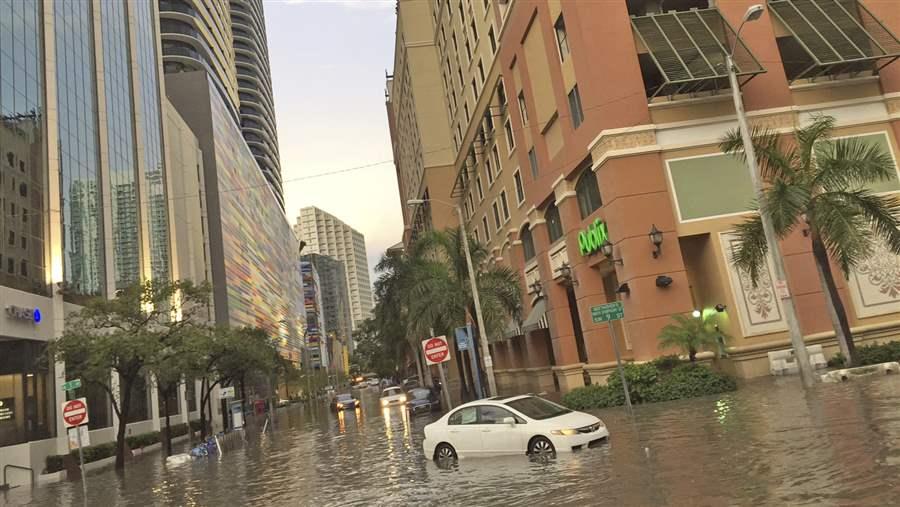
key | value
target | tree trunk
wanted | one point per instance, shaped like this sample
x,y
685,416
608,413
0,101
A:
x,y
418,363
243,395
835,306
204,394
168,424
125,385
692,354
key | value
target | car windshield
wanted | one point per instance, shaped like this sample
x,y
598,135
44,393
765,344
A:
x,y
420,394
538,408
393,391
344,397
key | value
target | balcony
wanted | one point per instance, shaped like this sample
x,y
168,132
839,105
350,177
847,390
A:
x,y
683,52
832,37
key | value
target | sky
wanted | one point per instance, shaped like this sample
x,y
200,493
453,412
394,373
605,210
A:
x,y
328,60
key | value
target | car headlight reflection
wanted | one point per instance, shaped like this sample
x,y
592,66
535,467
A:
x,y
566,433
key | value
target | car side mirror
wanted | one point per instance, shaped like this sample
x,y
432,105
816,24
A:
x,y
509,420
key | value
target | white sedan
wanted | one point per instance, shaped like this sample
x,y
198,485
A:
x,y
513,425
393,396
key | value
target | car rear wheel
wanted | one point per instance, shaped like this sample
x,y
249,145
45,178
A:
x,y
444,452
541,446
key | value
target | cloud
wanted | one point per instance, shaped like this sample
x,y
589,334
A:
x,y
350,4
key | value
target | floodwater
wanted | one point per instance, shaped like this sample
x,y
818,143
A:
x,y
767,444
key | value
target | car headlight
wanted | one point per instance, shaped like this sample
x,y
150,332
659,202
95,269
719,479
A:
x,y
384,403
567,432
340,405
402,398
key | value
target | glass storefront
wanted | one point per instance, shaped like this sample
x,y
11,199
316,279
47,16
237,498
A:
x,y
26,392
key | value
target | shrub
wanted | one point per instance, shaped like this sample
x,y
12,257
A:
x,y
177,430
648,384
96,452
877,353
54,463
837,361
667,363
142,440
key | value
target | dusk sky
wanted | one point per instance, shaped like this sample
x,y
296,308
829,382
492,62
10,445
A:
x,y
328,63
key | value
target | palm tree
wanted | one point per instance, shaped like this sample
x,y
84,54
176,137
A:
x,y
820,184
691,334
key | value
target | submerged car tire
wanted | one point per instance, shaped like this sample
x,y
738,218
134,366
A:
x,y
444,451
541,446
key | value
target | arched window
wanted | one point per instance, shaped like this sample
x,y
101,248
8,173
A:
x,y
527,243
588,193
554,224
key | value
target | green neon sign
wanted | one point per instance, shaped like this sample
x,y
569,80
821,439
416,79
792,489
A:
x,y
590,240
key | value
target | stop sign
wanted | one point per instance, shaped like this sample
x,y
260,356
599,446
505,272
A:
x,y
74,412
436,350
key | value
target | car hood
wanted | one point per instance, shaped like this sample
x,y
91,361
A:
x,y
572,420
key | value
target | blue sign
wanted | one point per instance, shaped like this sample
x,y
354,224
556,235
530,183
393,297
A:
x,y
462,338
37,316
21,313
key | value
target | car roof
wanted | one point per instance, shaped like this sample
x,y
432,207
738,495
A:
x,y
496,400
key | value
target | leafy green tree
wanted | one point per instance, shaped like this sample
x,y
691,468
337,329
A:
x,y
822,186
691,335
142,325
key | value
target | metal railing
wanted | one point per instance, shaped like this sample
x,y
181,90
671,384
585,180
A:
x,y
5,485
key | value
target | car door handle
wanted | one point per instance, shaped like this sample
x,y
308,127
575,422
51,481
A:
x,y
454,431
486,431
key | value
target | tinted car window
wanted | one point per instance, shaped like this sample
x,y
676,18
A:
x,y
468,415
392,391
344,397
538,408
420,394
493,415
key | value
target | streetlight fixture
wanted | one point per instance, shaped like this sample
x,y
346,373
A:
x,y
790,313
485,349
656,237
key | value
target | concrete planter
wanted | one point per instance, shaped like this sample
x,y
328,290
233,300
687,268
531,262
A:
x,y
846,374
43,479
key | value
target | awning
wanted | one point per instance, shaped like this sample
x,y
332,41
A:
x,y
689,49
537,318
512,329
838,35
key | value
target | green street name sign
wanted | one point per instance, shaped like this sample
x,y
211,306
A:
x,y
72,385
607,312
590,240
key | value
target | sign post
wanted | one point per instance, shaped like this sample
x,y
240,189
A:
x,y
438,352
464,341
608,313
74,414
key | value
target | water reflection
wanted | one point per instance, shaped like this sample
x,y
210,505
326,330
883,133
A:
x,y
767,444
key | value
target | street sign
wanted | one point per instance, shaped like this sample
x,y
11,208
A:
x,y
72,385
436,350
74,412
607,312
226,392
462,338
74,433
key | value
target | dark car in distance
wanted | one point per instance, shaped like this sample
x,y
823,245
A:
x,y
344,402
422,400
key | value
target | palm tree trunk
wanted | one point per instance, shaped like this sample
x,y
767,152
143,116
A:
x,y
835,306
415,352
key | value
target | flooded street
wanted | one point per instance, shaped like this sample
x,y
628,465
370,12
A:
x,y
766,444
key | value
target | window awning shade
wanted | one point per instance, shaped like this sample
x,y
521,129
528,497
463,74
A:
x,y
839,35
689,49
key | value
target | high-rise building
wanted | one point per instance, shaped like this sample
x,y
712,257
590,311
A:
x,y
327,235
577,125
335,297
227,40
84,193
314,340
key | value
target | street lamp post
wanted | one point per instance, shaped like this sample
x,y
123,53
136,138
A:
x,y
485,349
790,313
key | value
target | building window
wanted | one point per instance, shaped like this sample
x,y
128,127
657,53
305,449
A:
x,y
477,238
510,140
575,107
532,159
493,40
562,39
520,188
474,30
501,94
23,268
588,193
471,202
527,243
468,51
479,188
474,90
504,204
489,121
495,207
554,224
466,110
455,43
522,109
487,231
481,70
489,171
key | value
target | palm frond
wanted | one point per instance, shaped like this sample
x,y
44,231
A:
x,y
852,163
808,137
750,254
773,162
881,212
843,227
784,203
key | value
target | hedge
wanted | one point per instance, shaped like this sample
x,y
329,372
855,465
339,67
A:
x,y
870,354
661,380
54,462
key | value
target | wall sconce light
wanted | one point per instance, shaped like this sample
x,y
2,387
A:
x,y
720,308
607,249
656,237
696,314
624,289
663,281
536,288
565,273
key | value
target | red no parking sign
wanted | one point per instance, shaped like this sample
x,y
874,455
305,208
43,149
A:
x,y
436,350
